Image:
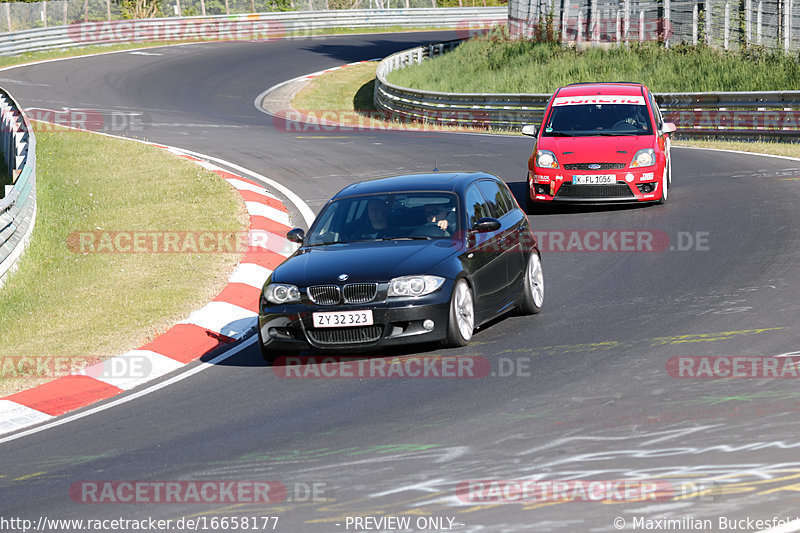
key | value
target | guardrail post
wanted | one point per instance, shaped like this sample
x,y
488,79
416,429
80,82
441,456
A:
x,y
760,23
748,22
726,27
641,26
626,28
787,31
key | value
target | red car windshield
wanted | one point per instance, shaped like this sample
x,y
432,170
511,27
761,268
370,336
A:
x,y
578,120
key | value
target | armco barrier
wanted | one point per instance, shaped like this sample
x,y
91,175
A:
x,y
261,26
18,207
723,114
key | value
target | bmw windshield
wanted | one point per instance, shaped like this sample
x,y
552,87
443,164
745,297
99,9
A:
x,y
392,216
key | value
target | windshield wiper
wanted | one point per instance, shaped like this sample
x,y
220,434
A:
x,y
558,134
410,238
616,133
327,243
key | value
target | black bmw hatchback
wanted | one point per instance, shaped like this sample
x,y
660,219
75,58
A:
x,y
414,258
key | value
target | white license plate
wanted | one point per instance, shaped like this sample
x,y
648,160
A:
x,y
594,179
342,319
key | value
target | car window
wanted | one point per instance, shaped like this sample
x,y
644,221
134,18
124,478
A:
x,y
475,205
405,215
508,196
584,116
494,198
656,110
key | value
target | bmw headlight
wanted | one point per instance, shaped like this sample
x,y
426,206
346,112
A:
x,y
644,158
546,159
414,285
281,293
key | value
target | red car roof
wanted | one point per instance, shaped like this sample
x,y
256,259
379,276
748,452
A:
x,y
586,89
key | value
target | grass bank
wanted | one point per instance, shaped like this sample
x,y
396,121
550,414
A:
x,y
349,90
496,65
345,95
81,307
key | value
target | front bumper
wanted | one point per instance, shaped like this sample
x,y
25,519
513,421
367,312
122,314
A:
x,y
396,321
555,185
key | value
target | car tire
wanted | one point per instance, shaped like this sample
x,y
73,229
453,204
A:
x,y
268,355
669,173
530,205
461,321
665,181
532,286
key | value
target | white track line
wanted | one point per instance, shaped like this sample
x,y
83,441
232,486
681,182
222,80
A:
x,y
133,396
26,416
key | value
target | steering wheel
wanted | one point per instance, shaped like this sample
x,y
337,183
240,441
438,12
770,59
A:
x,y
624,124
430,229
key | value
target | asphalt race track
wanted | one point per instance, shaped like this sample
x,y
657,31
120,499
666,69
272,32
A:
x,y
581,391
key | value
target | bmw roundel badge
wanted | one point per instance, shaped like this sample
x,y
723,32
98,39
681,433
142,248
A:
x,y
343,277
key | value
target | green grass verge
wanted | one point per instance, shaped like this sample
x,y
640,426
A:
x,y
497,65
67,304
349,90
345,95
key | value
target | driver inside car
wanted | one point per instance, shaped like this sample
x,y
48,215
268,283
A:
x,y
436,214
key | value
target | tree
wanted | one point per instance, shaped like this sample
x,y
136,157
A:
x,y
140,9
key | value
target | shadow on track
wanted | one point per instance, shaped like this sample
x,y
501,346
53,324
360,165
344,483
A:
x,y
376,48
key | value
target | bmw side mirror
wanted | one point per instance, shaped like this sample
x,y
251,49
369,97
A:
x,y
296,235
669,127
530,129
486,224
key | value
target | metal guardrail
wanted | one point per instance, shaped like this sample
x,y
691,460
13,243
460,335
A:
x,y
18,207
262,26
722,114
